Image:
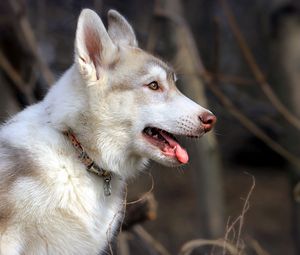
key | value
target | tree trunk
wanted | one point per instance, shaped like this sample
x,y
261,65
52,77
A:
x,y
286,45
176,43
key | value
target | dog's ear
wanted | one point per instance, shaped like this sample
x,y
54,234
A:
x,y
94,49
119,30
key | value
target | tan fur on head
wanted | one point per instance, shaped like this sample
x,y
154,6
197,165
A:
x,y
120,30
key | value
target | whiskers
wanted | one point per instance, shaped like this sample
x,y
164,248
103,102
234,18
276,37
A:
x,y
217,133
180,170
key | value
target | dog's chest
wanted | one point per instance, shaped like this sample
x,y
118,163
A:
x,y
89,216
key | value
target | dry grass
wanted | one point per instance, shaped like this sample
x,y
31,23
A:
x,y
232,243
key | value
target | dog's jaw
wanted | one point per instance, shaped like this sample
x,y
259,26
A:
x,y
166,143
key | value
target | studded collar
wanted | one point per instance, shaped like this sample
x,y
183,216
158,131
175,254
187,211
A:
x,y
90,165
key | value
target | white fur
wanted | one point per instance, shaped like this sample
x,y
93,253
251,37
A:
x,y
61,208
156,71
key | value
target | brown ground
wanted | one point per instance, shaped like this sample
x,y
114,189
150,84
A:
x,y
268,220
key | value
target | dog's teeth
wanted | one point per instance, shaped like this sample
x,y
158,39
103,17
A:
x,y
148,131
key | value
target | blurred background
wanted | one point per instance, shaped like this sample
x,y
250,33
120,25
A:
x,y
240,193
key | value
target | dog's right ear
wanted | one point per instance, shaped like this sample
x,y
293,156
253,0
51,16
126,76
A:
x,y
120,30
94,49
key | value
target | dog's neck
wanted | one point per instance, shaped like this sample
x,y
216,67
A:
x,y
66,106
90,164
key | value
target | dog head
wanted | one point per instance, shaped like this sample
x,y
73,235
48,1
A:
x,y
135,107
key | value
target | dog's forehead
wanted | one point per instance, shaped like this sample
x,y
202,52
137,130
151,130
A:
x,y
157,71
157,68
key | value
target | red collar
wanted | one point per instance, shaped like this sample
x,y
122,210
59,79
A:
x,y
90,165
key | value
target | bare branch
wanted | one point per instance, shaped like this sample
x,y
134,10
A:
x,y
228,78
257,247
19,83
242,216
251,126
139,212
190,246
28,38
258,74
143,234
123,246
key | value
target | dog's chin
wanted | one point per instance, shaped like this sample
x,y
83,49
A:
x,y
154,153
166,161
163,147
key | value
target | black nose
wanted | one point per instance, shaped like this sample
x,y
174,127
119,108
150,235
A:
x,y
208,120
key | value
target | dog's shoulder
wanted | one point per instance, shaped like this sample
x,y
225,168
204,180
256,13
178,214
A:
x,y
15,164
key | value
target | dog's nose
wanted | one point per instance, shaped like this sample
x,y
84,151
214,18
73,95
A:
x,y
208,120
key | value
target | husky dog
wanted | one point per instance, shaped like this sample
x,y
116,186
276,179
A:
x,y
64,161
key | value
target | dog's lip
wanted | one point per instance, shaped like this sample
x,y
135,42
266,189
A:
x,y
167,143
176,134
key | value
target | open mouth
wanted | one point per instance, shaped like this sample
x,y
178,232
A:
x,y
167,143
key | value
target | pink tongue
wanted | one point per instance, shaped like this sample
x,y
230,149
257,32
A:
x,y
175,150
181,154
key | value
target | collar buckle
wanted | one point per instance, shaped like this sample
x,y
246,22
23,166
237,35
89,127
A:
x,y
107,185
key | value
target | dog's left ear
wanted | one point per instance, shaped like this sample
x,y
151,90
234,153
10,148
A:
x,y
94,49
119,30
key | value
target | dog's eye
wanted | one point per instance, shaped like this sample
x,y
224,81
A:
x,y
153,85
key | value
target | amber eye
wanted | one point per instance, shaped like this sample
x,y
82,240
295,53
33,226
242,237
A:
x,y
153,85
